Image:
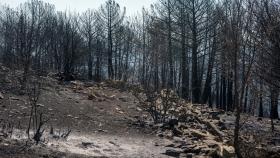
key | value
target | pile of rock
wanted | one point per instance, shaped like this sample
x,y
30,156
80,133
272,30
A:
x,y
195,142
198,133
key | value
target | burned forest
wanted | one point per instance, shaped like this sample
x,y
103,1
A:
x,y
176,78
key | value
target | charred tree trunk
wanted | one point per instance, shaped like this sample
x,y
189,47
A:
x,y
207,88
261,100
90,62
195,81
217,90
170,56
274,103
224,93
185,73
245,107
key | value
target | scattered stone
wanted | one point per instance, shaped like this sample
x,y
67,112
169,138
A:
x,y
101,100
214,153
97,94
136,117
276,140
13,98
91,97
5,144
168,134
156,144
193,149
107,150
5,135
173,122
222,125
160,134
178,139
198,134
177,132
87,144
40,105
208,151
173,152
189,146
159,125
112,97
139,109
189,155
101,130
215,115
111,142
227,151
172,145
123,99
211,143
119,110
182,126
1,96
56,136
97,151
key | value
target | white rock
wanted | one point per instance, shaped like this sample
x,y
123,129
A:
x,y
1,96
40,105
227,151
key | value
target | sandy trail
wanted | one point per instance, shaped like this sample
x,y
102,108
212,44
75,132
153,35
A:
x,y
108,146
102,145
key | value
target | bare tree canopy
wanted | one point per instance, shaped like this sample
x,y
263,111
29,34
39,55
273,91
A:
x,y
221,55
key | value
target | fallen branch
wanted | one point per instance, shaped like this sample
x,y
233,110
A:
x,y
211,128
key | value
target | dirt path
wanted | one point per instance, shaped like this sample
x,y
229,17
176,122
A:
x,y
105,125
86,145
109,146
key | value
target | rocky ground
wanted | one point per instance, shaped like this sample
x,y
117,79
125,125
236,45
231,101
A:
x,y
107,120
